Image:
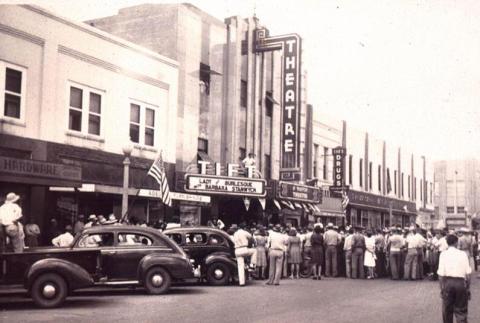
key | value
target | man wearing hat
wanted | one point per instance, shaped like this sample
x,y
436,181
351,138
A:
x,y
277,245
465,243
241,240
250,160
358,251
10,214
395,245
331,240
411,261
92,221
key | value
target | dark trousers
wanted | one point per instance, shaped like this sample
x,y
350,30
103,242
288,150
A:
x,y
395,263
357,263
331,261
420,258
380,264
455,300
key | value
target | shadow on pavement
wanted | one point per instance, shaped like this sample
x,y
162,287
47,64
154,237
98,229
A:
x,y
70,303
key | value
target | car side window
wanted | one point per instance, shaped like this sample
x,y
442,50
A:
x,y
134,239
196,238
215,239
96,240
177,237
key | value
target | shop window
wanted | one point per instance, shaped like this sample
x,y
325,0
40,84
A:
x,y
142,124
243,94
196,238
12,81
202,145
85,110
450,209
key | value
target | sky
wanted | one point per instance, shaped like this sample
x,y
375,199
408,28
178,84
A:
x,y
404,71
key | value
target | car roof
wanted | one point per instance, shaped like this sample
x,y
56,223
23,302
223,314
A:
x,y
195,228
122,227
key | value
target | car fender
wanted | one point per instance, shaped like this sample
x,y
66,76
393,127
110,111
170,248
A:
x,y
221,257
74,275
170,262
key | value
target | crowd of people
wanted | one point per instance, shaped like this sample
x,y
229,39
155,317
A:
x,y
357,253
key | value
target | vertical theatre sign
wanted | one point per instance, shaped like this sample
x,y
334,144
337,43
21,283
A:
x,y
291,101
338,168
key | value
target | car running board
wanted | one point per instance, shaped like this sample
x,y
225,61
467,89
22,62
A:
x,y
117,283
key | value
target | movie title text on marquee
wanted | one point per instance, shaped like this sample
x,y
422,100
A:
x,y
225,185
301,193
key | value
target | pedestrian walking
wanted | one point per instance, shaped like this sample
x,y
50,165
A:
x,y
261,263
331,240
465,243
317,252
241,239
454,274
347,248
10,215
276,248
358,251
294,253
369,257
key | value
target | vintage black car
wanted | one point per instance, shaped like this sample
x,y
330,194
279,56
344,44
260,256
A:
x,y
102,255
212,251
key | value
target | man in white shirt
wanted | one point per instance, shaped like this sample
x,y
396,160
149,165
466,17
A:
x,y
411,261
347,248
241,239
65,239
276,243
454,273
249,161
10,215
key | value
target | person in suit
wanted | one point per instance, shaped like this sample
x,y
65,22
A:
x,y
358,251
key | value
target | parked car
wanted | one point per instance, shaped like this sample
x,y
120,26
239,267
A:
x,y
212,251
98,256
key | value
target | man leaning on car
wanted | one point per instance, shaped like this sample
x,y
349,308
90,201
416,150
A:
x,y
241,239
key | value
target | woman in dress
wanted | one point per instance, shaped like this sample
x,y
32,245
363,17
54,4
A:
x,y
294,252
316,261
369,258
261,241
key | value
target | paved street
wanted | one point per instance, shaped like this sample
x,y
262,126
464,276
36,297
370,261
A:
x,y
328,300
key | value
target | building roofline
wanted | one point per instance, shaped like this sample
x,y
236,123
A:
x,y
102,35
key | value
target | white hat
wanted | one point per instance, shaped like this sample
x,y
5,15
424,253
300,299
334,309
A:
x,y
318,224
330,225
11,197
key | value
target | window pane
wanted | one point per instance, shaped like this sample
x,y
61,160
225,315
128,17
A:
x,y
95,103
12,106
76,97
94,124
150,117
75,120
13,81
134,113
149,134
134,133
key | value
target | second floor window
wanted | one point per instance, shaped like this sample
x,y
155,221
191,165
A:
x,y
85,110
12,95
243,94
360,172
142,124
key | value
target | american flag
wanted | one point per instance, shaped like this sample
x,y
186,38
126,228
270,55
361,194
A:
x,y
345,201
157,171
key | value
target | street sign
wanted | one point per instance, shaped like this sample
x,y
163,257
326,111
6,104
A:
x,y
239,186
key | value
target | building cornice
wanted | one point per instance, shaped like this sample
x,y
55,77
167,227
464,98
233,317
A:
x,y
111,67
103,35
21,34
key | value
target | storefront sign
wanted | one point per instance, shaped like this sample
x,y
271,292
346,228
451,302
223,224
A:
x,y
455,222
211,184
338,167
291,100
40,169
383,202
301,193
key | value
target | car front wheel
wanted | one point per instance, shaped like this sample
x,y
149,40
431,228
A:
x,y
218,274
157,281
49,290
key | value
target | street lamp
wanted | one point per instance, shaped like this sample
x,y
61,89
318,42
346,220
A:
x,y
127,151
